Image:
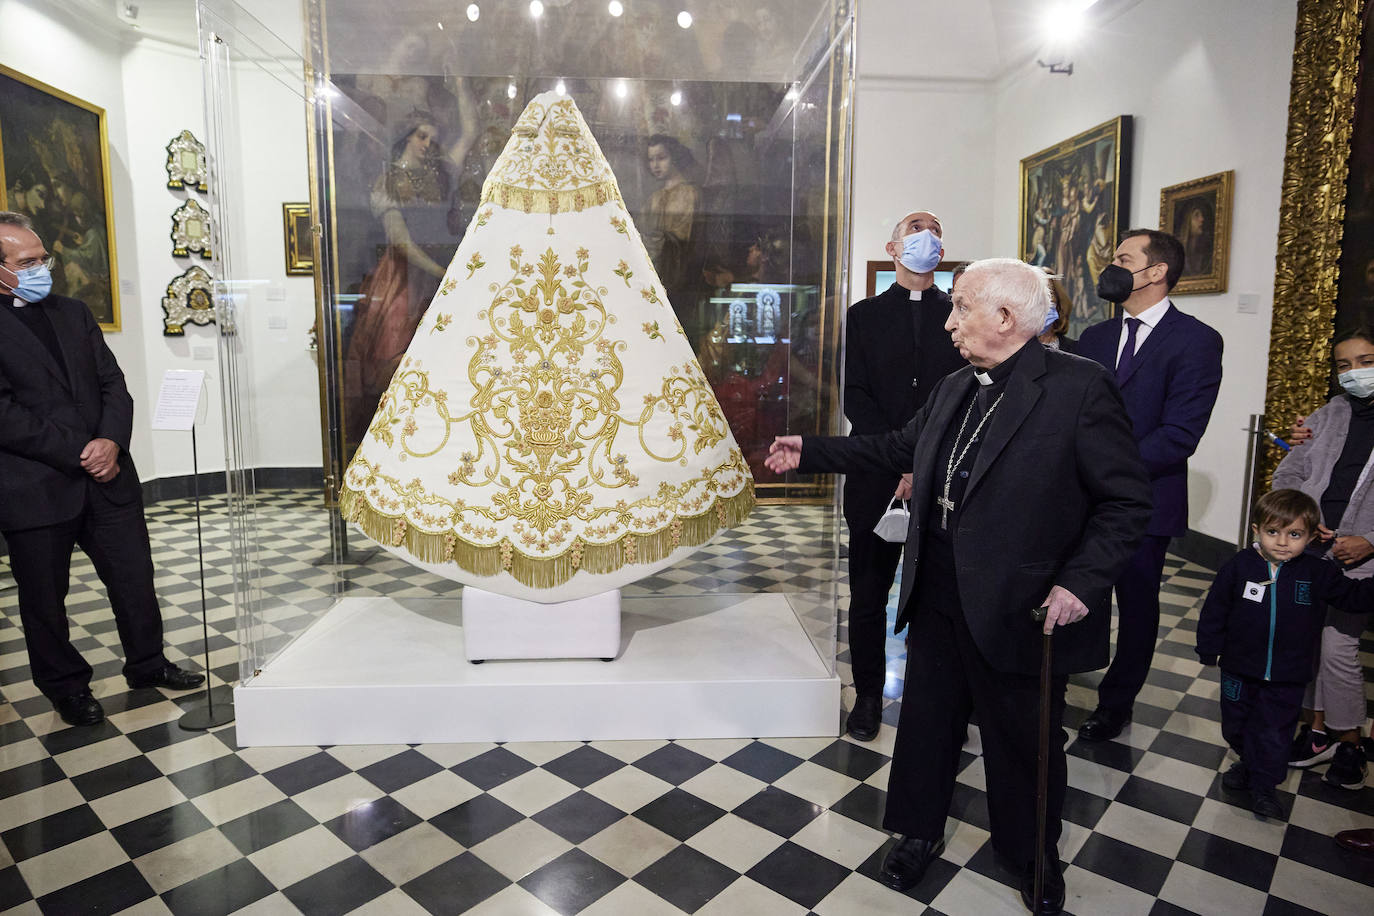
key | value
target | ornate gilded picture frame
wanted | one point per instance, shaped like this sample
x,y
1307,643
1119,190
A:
x,y
1325,104
186,163
55,169
1075,200
1198,214
191,230
190,299
299,239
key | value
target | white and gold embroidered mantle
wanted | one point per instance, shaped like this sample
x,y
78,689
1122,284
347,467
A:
x,y
549,434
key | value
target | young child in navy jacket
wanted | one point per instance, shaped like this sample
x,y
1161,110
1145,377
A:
x,y
1262,621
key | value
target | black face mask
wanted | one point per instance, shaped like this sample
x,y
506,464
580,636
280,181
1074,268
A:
x,y
1116,283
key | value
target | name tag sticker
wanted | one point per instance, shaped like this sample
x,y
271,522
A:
x,y
1254,591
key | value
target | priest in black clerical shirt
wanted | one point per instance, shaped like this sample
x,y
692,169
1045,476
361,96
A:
x,y
66,478
896,349
1028,490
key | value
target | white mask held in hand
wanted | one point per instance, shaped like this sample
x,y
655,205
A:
x,y
921,251
894,523
1358,383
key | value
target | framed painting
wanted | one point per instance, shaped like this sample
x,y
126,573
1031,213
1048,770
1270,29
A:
x,y
55,169
1198,214
1074,206
299,240
881,275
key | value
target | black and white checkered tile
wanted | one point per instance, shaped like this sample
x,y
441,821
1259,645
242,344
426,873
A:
x,y
139,816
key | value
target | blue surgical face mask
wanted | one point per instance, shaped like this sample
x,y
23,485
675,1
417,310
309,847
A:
x,y
32,284
1050,318
1358,383
921,251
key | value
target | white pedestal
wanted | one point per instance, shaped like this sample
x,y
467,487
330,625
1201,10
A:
x,y
387,671
498,626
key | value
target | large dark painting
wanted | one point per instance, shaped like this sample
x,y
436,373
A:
x,y
1074,198
55,169
1355,292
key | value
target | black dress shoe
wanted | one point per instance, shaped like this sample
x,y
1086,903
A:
x,y
1051,890
1103,725
906,864
865,718
170,676
79,709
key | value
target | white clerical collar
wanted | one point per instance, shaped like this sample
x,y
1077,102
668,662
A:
x,y
914,295
983,378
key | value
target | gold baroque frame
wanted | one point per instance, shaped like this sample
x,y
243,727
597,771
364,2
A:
x,y
1321,112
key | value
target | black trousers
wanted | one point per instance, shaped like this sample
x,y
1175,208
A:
x,y
872,567
1137,631
1257,720
115,537
946,678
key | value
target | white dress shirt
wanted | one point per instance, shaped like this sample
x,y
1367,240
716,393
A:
x,y
1148,319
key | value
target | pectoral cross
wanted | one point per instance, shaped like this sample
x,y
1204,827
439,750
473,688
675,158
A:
x,y
946,507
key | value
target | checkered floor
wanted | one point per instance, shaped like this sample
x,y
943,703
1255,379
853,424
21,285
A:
x,y
139,816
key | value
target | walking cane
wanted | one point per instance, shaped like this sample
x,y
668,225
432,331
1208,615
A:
x,y
1042,774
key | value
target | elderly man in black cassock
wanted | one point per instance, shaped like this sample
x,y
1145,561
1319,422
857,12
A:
x,y
1028,490
895,350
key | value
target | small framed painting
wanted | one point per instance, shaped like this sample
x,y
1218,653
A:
x,y
300,241
1198,214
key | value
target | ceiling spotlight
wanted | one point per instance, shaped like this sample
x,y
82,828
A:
x,y
559,87
675,98
615,8
536,8
684,20
622,89
510,91
474,11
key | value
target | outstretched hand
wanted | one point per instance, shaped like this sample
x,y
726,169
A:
x,y
784,454
1063,607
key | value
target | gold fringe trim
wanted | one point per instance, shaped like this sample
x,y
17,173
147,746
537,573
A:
x,y
528,200
546,572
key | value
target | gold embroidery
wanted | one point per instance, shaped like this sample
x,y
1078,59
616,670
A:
x,y
558,171
544,418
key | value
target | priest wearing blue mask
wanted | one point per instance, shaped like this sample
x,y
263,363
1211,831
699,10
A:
x,y
67,479
896,349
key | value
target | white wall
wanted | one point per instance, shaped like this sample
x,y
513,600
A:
x,y
151,91
923,125
1207,84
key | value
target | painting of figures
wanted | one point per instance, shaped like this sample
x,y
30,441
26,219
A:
x,y
55,169
1073,208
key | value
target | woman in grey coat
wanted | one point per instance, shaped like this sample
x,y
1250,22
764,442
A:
x,y
1334,468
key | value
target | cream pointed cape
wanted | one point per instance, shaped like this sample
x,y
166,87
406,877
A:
x,y
549,434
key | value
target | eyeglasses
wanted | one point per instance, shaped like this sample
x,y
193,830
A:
x,y
31,263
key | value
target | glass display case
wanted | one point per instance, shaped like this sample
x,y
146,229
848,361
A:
x,y
727,129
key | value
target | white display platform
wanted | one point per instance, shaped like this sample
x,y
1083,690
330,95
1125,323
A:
x,y
389,671
499,626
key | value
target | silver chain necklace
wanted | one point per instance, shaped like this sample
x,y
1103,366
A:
x,y
944,502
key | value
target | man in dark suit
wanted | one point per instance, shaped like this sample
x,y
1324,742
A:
x,y
896,349
1028,491
66,478
1168,367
